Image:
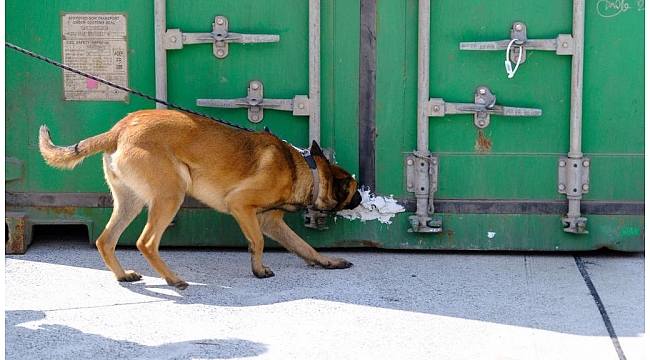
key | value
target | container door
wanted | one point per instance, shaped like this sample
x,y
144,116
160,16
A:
x,y
248,62
499,140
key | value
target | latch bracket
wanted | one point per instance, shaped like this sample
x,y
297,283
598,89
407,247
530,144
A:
x,y
315,219
219,37
422,179
573,181
300,105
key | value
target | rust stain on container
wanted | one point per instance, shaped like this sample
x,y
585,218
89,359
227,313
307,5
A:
x,y
15,236
58,210
483,144
358,243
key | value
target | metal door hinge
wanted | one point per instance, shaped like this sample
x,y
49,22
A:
x,y
300,105
219,37
573,176
484,105
519,44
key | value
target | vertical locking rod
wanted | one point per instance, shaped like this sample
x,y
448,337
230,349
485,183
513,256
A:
x,y
160,54
422,179
574,222
314,70
421,222
424,38
314,97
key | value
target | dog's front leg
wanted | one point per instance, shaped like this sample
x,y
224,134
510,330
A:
x,y
273,226
247,220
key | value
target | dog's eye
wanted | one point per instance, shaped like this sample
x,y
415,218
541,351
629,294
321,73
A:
x,y
341,189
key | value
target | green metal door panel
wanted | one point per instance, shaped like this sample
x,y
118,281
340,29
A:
x,y
340,81
614,67
396,92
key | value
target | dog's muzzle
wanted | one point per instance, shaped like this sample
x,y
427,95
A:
x,y
356,200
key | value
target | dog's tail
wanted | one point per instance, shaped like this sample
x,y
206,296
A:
x,y
67,157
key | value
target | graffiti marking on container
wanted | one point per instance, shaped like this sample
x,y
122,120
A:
x,y
609,8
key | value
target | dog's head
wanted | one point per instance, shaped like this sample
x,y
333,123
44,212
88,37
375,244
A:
x,y
338,188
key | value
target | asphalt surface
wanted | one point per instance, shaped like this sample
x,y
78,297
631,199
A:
x,y
61,302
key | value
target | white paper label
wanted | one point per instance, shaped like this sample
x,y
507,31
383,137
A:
x,y
94,43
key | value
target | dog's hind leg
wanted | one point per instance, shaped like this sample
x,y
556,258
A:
x,y
273,226
250,226
161,213
126,206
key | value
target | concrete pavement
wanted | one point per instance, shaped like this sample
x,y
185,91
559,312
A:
x,y
62,303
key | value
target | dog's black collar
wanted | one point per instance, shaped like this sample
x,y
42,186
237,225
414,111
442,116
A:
x,y
310,160
314,170
306,154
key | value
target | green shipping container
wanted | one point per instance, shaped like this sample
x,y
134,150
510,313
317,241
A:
x,y
455,148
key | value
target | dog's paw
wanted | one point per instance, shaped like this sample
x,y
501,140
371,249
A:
x,y
264,273
179,284
337,264
130,275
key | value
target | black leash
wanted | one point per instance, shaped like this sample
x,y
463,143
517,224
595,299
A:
x,y
65,67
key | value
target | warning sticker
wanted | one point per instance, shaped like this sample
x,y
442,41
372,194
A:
x,y
94,43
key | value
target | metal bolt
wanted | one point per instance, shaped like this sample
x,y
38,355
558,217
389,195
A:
x,y
409,185
220,53
255,86
481,123
409,162
482,91
519,26
220,21
436,108
561,187
301,106
255,117
434,162
173,39
585,187
562,163
585,163
565,44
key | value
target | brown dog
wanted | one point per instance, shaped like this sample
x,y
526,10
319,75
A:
x,y
154,157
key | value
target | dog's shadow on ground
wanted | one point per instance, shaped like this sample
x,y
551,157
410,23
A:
x,y
224,278
22,327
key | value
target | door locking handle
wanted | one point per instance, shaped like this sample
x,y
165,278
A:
x,y
519,43
220,37
484,105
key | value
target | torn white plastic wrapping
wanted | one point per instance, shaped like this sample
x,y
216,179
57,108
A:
x,y
373,207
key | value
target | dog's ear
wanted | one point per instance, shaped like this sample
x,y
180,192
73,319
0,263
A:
x,y
316,150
